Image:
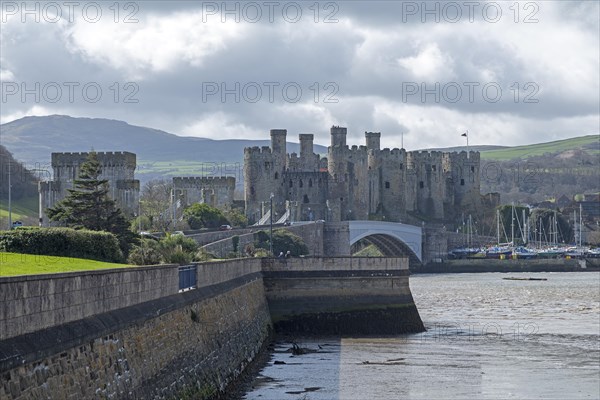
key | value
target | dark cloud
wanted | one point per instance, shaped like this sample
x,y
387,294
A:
x,y
368,65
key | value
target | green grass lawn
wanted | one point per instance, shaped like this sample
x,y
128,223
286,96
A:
x,y
12,264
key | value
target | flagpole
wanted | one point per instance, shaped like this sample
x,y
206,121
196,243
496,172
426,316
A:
x,y
466,134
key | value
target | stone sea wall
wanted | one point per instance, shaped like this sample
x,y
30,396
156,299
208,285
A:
x,y
192,343
340,296
132,333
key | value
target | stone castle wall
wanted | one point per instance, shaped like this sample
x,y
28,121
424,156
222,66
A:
x,y
360,182
214,191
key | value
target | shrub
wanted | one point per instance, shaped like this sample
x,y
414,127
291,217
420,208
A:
x,y
65,242
177,249
146,253
261,253
235,241
203,255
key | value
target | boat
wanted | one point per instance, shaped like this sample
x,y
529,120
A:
x,y
593,253
498,252
525,279
463,252
551,252
524,253
575,252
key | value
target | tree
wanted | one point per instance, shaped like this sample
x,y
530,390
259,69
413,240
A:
x,y
156,203
88,206
202,215
236,218
283,241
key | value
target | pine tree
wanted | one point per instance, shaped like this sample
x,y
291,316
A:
x,y
88,205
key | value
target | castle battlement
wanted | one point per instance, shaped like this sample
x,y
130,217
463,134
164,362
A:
x,y
257,150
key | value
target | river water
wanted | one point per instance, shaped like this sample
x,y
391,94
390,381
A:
x,y
487,338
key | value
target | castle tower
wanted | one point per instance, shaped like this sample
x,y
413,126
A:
x,y
338,136
338,173
278,138
373,140
308,159
306,144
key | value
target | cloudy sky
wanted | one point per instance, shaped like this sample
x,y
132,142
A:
x,y
508,72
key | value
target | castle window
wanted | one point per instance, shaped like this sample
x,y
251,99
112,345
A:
x,y
421,184
433,168
462,182
276,175
291,183
301,183
472,169
305,199
252,190
387,185
341,199
310,183
267,165
401,165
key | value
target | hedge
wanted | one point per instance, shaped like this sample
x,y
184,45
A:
x,y
66,242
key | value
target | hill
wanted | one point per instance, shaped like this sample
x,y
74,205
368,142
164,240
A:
x,y
589,144
32,139
24,195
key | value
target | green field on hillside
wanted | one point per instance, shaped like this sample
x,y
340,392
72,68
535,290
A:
x,y
558,146
21,208
12,264
169,169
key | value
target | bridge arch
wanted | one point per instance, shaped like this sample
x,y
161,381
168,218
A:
x,y
391,238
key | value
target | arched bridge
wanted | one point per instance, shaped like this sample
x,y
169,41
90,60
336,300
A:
x,y
391,238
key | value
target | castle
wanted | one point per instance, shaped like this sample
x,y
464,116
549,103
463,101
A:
x,y
117,167
358,182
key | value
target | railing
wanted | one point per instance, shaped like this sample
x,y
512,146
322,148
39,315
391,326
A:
x,y
187,277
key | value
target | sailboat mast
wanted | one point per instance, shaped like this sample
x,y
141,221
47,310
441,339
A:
x,y
555,229
498,225
524,230
470,231
580,224
512,224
